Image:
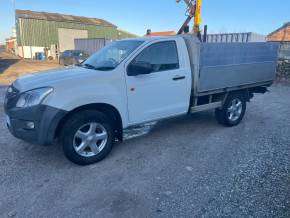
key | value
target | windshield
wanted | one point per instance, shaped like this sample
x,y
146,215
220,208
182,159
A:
x,y
109,57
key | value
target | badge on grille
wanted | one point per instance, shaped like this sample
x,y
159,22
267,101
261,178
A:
x,y
9,90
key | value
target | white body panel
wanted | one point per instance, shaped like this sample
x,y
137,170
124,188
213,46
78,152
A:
x,y
75,87
157,95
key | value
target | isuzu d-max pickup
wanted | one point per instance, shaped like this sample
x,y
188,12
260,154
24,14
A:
x,y
134,81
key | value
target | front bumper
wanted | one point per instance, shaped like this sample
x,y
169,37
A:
x,y
44,120
19,129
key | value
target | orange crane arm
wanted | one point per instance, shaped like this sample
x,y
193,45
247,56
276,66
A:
x,y
197,17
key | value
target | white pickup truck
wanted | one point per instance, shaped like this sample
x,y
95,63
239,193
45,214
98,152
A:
x,y
135,81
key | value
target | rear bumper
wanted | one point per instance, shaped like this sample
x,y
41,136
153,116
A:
x,y
44,120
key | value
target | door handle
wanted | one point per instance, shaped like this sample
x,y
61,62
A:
x,y
178,78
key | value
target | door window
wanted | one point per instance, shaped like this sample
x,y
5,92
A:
x,y
161,56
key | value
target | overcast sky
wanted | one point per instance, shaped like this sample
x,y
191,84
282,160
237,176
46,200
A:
x,y
261,16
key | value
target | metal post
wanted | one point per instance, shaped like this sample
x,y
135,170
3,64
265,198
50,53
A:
x,y
205,33
14,10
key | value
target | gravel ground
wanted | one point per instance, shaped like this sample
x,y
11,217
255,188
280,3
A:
x,y
185,167
12,67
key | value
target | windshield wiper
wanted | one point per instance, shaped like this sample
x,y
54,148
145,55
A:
x,y
102,68
105,68
88,66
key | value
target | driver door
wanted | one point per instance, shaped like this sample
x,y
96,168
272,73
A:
x,y
162,92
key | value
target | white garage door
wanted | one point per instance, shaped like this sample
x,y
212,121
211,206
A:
x,y
66,38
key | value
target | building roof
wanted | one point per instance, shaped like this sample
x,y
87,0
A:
x,y
121,31
62,18
167,33
277,30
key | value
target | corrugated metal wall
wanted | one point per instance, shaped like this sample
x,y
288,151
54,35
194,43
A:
x,y
90,46
33,32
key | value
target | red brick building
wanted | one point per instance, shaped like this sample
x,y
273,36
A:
x,y
166,33
280,35
10,43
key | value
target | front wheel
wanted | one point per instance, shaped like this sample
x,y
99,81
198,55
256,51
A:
x,y
233,110
87,137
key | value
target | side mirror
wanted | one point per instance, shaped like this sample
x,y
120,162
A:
x,y
139,68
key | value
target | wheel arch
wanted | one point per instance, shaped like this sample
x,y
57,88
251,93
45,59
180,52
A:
x,y
107,109
243,92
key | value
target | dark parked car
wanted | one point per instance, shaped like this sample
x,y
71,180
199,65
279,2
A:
x,y
70,57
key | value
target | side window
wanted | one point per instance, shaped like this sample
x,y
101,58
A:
x,y
161,56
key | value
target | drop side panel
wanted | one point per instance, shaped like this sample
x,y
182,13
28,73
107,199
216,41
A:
x,y
227,65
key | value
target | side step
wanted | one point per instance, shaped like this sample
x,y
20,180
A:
x,y
206,107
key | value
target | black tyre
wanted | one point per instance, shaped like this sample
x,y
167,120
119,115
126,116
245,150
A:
x,y
233,110
87,137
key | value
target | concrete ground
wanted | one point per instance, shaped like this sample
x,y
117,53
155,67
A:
x,y
186,167
11,67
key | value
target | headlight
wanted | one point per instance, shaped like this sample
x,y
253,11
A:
x,y
33,97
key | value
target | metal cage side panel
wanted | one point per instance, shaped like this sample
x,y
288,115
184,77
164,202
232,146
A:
x,y
225,65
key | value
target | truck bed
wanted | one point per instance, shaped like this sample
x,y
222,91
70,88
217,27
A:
x,y
226,65
219,66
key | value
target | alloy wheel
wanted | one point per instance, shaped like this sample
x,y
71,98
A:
x,y
90,139
235,110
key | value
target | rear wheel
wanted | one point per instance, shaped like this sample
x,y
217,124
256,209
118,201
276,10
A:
x,y
233,110
87,137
